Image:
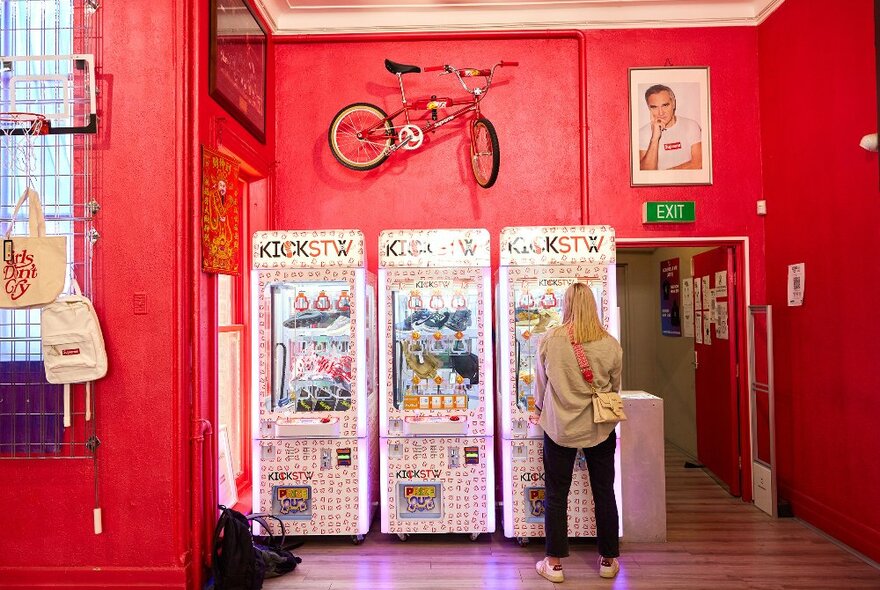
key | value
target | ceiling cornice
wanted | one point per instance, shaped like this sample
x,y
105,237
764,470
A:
x,y
286,18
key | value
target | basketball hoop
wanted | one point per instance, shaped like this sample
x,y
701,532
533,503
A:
x,y
17,131
19,123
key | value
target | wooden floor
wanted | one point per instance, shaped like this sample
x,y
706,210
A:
x,y
715,542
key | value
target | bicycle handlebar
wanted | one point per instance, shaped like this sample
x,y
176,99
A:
x,y
488,74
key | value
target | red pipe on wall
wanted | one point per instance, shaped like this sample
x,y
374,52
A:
x,y
480,36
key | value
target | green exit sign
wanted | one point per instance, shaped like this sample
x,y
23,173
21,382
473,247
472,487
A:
x,y
669,212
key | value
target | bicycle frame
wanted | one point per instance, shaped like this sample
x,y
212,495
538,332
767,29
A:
x,y
362,135
476,96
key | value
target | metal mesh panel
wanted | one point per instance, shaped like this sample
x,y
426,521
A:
x,y
60,168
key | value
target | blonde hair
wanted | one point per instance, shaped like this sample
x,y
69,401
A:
x,y
579,310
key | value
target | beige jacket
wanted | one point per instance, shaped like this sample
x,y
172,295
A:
x,y
565,398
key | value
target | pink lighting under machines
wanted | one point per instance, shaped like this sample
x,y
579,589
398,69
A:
x,y
314,381
435,350
537,264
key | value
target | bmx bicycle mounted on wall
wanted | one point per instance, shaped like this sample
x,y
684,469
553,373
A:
x,y
362,135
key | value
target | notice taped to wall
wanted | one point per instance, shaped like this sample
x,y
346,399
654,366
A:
x,y
687,306
796,280
721,323
706,294
698,327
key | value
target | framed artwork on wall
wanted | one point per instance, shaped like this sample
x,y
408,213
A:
x,y
670,126
221,213
237,65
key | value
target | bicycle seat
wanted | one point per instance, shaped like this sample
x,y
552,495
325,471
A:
x,y
396,68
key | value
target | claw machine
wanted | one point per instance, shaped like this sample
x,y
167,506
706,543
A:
x,y
436,449
315,396
537,264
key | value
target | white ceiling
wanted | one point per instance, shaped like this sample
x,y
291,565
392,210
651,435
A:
x,y
315,17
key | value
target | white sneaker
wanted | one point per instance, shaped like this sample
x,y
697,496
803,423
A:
x,y
608,567
551,572
339,327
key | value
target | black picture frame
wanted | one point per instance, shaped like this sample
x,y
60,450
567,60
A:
x,y
237,64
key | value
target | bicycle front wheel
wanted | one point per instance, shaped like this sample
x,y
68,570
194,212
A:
x,y
485,158
360,136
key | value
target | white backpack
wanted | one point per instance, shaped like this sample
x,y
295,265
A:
x,y
73,346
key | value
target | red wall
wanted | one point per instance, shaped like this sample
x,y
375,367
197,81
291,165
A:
x,y
818,97
48,503
153,80
535,110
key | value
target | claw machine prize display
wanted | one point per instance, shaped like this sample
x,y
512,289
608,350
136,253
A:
x,y
537,264
435,381
314,383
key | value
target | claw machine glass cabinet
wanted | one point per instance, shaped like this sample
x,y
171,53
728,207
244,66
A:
x,y
537,264
315,406
436,395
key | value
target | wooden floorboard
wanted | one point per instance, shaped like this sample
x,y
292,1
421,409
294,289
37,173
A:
x,y
715,542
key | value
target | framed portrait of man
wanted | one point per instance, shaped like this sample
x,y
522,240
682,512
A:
x,y
670,126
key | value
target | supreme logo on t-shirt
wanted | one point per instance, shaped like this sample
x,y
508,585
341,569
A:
x,y
69,351
672,146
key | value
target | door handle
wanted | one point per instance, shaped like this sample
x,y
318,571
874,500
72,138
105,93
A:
x,y
695,361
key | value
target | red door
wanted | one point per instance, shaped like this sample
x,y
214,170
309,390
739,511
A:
x,y
718,447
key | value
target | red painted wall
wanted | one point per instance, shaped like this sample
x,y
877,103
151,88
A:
x,y
153,80
818,97
535,109
47,535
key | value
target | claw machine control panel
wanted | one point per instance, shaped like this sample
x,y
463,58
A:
x,y
315,401
436,382
537,265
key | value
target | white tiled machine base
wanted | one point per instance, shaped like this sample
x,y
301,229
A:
x,y
524,492
437,485
318,486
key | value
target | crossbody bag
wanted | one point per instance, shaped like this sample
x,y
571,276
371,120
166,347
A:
x,y
607,406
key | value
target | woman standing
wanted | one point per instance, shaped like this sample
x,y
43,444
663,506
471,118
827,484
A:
x,y
564,409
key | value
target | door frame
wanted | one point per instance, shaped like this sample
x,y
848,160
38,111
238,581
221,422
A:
x,y
740,245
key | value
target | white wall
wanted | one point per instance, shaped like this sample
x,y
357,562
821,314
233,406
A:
x,y
661,365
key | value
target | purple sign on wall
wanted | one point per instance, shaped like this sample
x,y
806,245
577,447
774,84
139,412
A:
x,y
670,298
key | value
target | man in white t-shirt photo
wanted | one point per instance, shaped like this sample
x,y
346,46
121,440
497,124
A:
x,y
669,141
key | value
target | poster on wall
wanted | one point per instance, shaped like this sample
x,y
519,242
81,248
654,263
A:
x,y
221,213
687,307
670,296
670,135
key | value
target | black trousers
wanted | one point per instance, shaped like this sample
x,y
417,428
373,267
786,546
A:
x,y
558,467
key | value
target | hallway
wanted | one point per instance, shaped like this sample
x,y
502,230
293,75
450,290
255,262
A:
x,y
714,542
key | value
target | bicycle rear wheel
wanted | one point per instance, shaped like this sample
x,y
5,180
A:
x,y
485,157
358,138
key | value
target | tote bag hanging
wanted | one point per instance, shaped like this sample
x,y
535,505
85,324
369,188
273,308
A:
x,y
33,266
